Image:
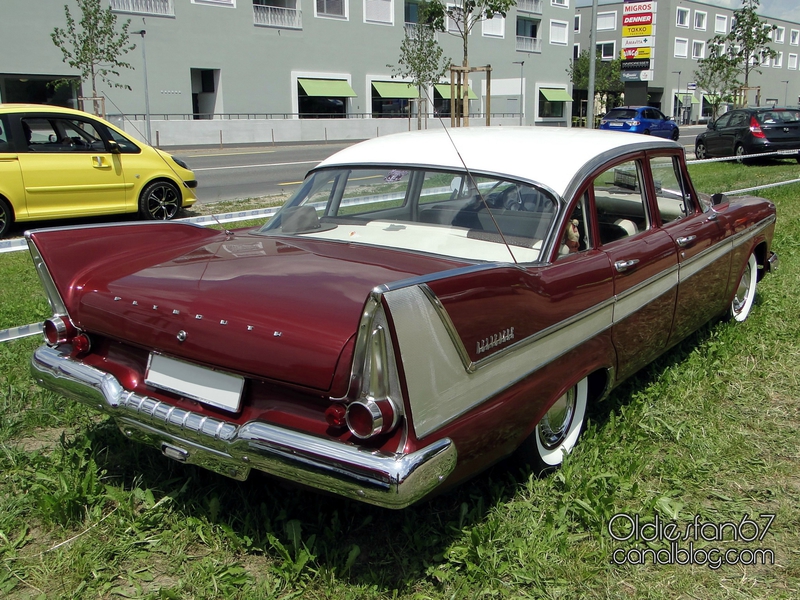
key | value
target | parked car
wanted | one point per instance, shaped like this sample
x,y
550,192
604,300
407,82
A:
x,y
751,131
425,304
60,163
640,119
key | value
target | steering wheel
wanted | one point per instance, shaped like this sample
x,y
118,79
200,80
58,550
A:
x,y
512,200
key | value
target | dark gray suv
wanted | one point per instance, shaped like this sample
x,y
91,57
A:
x,y
751,131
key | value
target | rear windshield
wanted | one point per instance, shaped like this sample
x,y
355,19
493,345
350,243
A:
x,y
620,113
446,213
779,117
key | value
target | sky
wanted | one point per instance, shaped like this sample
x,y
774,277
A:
x,y
780,9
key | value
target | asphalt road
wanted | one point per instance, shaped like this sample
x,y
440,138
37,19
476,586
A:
x,y
252,172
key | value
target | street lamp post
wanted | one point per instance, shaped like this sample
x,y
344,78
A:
x,y
677,107
521,64
786,91
142,32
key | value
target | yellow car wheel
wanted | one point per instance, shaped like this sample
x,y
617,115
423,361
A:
x,y
160,201
6,218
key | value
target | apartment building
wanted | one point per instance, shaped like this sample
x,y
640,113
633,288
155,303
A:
x,y
679,37
291,62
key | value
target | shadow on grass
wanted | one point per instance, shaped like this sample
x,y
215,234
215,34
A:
x,y
361,544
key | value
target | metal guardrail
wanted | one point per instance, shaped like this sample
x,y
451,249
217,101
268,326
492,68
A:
x,y
14,333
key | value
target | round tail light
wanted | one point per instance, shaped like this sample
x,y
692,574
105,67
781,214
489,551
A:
x,y
367,418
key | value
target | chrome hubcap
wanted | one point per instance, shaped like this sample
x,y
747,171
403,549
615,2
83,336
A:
x,y
555,424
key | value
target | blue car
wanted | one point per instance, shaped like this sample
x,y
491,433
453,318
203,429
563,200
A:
x,y
640,119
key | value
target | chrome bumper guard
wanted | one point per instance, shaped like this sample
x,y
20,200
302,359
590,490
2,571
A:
x,y
773,263
384,479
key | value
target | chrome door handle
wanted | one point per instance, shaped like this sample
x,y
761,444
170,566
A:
x,y
623,265
686,241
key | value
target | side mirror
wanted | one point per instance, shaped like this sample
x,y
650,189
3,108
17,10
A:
x,y
718,199
710,125
112,147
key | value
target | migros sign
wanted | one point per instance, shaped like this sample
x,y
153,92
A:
x,y
638,7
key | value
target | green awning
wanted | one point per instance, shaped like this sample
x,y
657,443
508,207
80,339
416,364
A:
x,y
395,89
327,88
710,98
555,95
444,91
689,99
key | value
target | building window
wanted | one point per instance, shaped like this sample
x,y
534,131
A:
x,y
379,11
700,20
777,62
528,35
764,59
495,27
792,62
682,18
323,98
780,33
698,49
552,102
576,26
607,50
455,19
331,8
607,21
558,32
392,99
794,37
721,24
561,3
217,2
576,51
681,48
159,8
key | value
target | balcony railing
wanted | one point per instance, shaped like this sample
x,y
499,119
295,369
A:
x,y
273,16
164,8
530,6
528,44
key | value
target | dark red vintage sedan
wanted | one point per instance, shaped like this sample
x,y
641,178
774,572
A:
x,y
424,305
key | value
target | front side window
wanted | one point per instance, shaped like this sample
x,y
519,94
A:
x,y
672,194
58,134
4,143
620,203
436,212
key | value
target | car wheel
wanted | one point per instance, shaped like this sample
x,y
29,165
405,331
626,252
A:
x,y
700,152
739,152
745,292
646,132
558,431
160,201
675,134
6,218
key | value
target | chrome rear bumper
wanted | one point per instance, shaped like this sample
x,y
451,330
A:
x,y
384,479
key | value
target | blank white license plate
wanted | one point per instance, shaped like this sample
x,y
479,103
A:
x,y
612,124
222,390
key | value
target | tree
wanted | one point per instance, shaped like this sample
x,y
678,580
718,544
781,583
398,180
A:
x,y
94,46
421,60
607,73
459,19
747,43
717,75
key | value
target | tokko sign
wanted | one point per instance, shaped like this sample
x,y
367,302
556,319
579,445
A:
x,y
637,30
637,19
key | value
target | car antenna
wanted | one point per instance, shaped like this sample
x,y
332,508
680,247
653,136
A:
x,y
472,180
227,231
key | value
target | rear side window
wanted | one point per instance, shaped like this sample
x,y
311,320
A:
x,y
4,144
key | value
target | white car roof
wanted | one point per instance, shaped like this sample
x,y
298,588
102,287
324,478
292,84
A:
x,y
549,156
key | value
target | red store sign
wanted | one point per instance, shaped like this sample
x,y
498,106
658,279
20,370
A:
x,y
638,8
637,19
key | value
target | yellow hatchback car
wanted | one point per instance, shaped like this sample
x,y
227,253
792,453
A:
x,y
61,163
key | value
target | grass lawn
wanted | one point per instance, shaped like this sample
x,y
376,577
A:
x,y
703,442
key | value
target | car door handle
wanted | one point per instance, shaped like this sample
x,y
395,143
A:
x,y
99,163
623,265
686,241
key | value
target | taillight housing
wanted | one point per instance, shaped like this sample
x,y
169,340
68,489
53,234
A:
x,y
58,330
378,405
755,128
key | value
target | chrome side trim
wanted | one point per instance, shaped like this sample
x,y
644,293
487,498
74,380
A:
x,y
390,480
